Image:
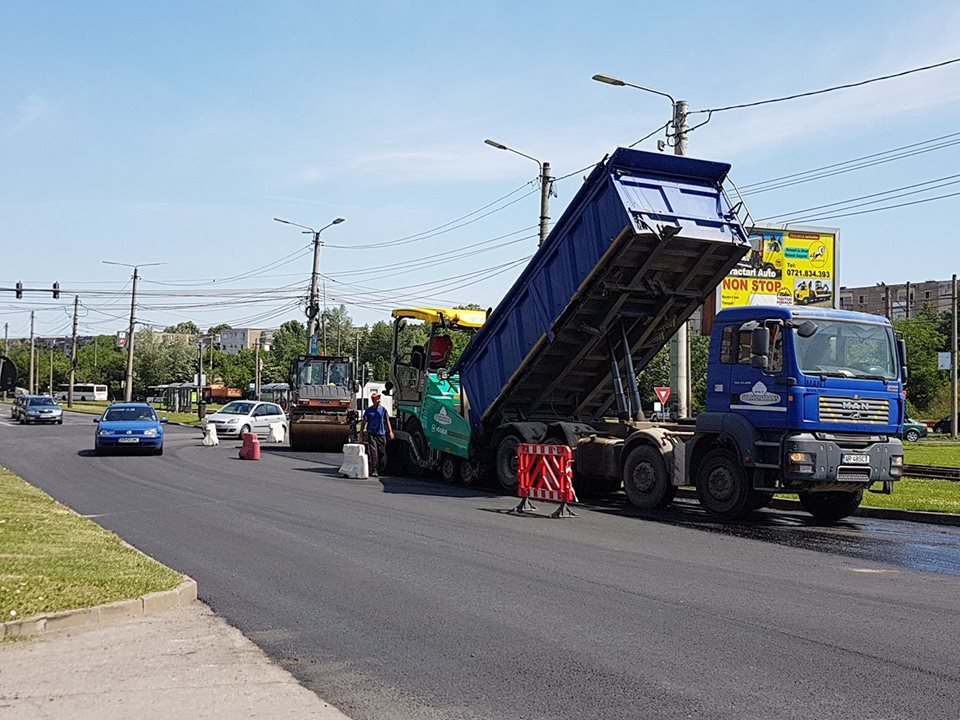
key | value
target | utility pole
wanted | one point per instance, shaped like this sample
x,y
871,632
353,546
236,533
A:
x,y
908,299
953,362
30,385
256,374
6,346
323,318
546,186
313,305
128,383
679,347
52,343
679,344
200,404
73,352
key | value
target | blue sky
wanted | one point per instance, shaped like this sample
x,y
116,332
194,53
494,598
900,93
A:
x,y
176,131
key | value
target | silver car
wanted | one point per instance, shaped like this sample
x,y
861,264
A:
x,y
39,409
242,416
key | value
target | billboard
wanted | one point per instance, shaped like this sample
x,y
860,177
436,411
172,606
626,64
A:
x,y
785,266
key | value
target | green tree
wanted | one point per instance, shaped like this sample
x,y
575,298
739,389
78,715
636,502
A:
x,y
289,340
217,329
187,327
924,340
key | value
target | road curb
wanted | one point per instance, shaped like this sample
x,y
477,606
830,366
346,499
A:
x,y
107,614
918,516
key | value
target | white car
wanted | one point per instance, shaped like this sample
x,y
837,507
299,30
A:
x,y
242,416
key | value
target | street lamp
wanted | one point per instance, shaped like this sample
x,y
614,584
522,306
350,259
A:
x,y
128,383
679,346
546,185
313,307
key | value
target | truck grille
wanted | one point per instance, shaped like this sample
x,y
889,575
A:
x,y
866,411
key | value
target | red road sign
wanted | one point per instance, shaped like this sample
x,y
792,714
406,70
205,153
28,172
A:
x,y
663,394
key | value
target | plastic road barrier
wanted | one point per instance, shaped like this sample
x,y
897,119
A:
x,y
545,472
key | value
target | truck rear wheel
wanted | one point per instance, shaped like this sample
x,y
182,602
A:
x,y
831,506
723,487
507,463
645,479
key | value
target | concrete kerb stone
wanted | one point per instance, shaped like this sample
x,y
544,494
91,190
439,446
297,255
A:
x,y
181,596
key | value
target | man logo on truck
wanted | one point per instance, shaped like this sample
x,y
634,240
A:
x,y
759,396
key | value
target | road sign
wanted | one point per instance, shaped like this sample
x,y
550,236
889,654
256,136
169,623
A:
x,y
943,360
663,394
121,339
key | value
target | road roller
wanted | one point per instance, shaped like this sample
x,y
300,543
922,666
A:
x,y
322,410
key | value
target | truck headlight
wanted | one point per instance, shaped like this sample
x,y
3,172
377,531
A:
x,y
896,465
800,462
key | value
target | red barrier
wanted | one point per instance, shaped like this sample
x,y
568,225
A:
x,y
545,472
251,447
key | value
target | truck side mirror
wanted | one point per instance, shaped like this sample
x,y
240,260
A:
x,y
387,388
807,328
902,353
760,348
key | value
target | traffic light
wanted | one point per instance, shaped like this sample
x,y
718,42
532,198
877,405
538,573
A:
x,y
56,291
19,290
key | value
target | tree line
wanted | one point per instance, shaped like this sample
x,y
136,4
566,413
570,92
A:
x,y
160,363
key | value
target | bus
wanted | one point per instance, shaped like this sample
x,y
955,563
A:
x,y
84,392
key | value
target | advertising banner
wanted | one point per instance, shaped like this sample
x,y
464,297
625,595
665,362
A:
x,y
785,266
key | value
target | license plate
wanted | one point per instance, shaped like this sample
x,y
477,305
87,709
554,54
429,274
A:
x,y
129,440
852,459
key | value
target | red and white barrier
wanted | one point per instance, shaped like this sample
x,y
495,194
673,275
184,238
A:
x,y
545,472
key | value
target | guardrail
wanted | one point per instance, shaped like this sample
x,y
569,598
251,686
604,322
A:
x,y
932,472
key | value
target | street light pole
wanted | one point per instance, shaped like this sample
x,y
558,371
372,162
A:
x,y
546,186
679,346
313,306
73,352
128,382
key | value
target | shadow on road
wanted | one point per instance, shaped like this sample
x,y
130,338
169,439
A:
x,y
427,486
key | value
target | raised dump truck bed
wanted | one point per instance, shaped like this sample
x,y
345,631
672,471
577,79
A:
x,y
646,239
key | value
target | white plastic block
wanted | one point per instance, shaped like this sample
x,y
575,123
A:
x,y
276,433
210,438
355,462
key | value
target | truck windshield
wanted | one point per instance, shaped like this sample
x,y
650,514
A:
x,y
324,372
848,349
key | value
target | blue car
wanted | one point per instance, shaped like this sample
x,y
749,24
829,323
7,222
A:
x,y
129,426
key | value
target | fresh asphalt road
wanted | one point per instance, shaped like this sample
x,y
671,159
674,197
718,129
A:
x,y
407,598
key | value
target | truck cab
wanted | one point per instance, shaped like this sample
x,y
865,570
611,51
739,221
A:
x,y
802,400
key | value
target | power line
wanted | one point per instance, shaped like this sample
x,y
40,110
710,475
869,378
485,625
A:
x,y
828,89
816,175
847,162
925,186
413,239
879,209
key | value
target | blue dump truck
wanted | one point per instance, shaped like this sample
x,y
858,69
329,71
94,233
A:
x,y
799,400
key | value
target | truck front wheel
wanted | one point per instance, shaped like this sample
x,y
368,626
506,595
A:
x,y
723,487
645,479
449,468
831,506
507,463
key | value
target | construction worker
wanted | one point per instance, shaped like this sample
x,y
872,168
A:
x,y
375,428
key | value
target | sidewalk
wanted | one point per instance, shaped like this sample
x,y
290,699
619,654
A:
x,y
185,662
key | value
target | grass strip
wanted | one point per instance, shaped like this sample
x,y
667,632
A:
x,y
52,559
931,453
